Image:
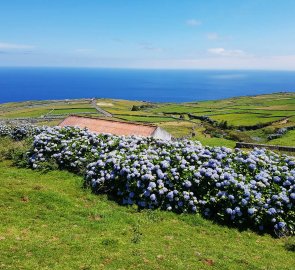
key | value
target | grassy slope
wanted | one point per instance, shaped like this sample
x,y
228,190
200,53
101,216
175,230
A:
x,y
38,108
245,119
49,222
288,139
149,119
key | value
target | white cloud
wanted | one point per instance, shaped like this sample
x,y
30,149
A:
x,y
11,46
227,53
193,22
213,36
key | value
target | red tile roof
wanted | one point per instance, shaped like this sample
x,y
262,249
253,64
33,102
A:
x,y
109,126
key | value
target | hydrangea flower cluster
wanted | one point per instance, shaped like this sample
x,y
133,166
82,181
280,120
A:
x,y
18,132
5,130
246,189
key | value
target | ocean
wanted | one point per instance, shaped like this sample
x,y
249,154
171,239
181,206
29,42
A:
x,y
19,84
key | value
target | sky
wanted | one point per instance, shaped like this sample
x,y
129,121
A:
x,y
174,34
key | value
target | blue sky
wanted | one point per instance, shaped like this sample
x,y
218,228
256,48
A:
x,y
211,34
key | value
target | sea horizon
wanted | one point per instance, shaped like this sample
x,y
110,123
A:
x,y
155,85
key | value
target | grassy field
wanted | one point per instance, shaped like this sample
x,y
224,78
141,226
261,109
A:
x,y
48,221
288,139
37,109
73,110
146,119
275,111
28,112
244,119
272,111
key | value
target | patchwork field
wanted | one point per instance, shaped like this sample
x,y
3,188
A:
x,y
248,119
219,122
41,109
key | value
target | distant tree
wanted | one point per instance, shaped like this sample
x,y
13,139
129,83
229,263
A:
x,y
135,108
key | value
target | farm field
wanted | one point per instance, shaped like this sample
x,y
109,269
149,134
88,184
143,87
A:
x,y
49,222
41,109
248,119
288,139
262,115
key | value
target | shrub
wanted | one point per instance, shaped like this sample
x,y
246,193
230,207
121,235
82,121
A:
x,y
248,190
15,150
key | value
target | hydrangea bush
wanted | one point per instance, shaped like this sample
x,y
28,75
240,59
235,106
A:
x,y
245,189
18,132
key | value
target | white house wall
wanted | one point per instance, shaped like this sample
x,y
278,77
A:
x,y
160,133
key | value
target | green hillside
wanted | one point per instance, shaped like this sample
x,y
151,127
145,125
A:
x,y
49,222
248,119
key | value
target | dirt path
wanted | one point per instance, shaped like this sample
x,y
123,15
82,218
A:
x,y
105,113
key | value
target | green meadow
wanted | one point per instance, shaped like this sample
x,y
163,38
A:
x,y
272,112
48,221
